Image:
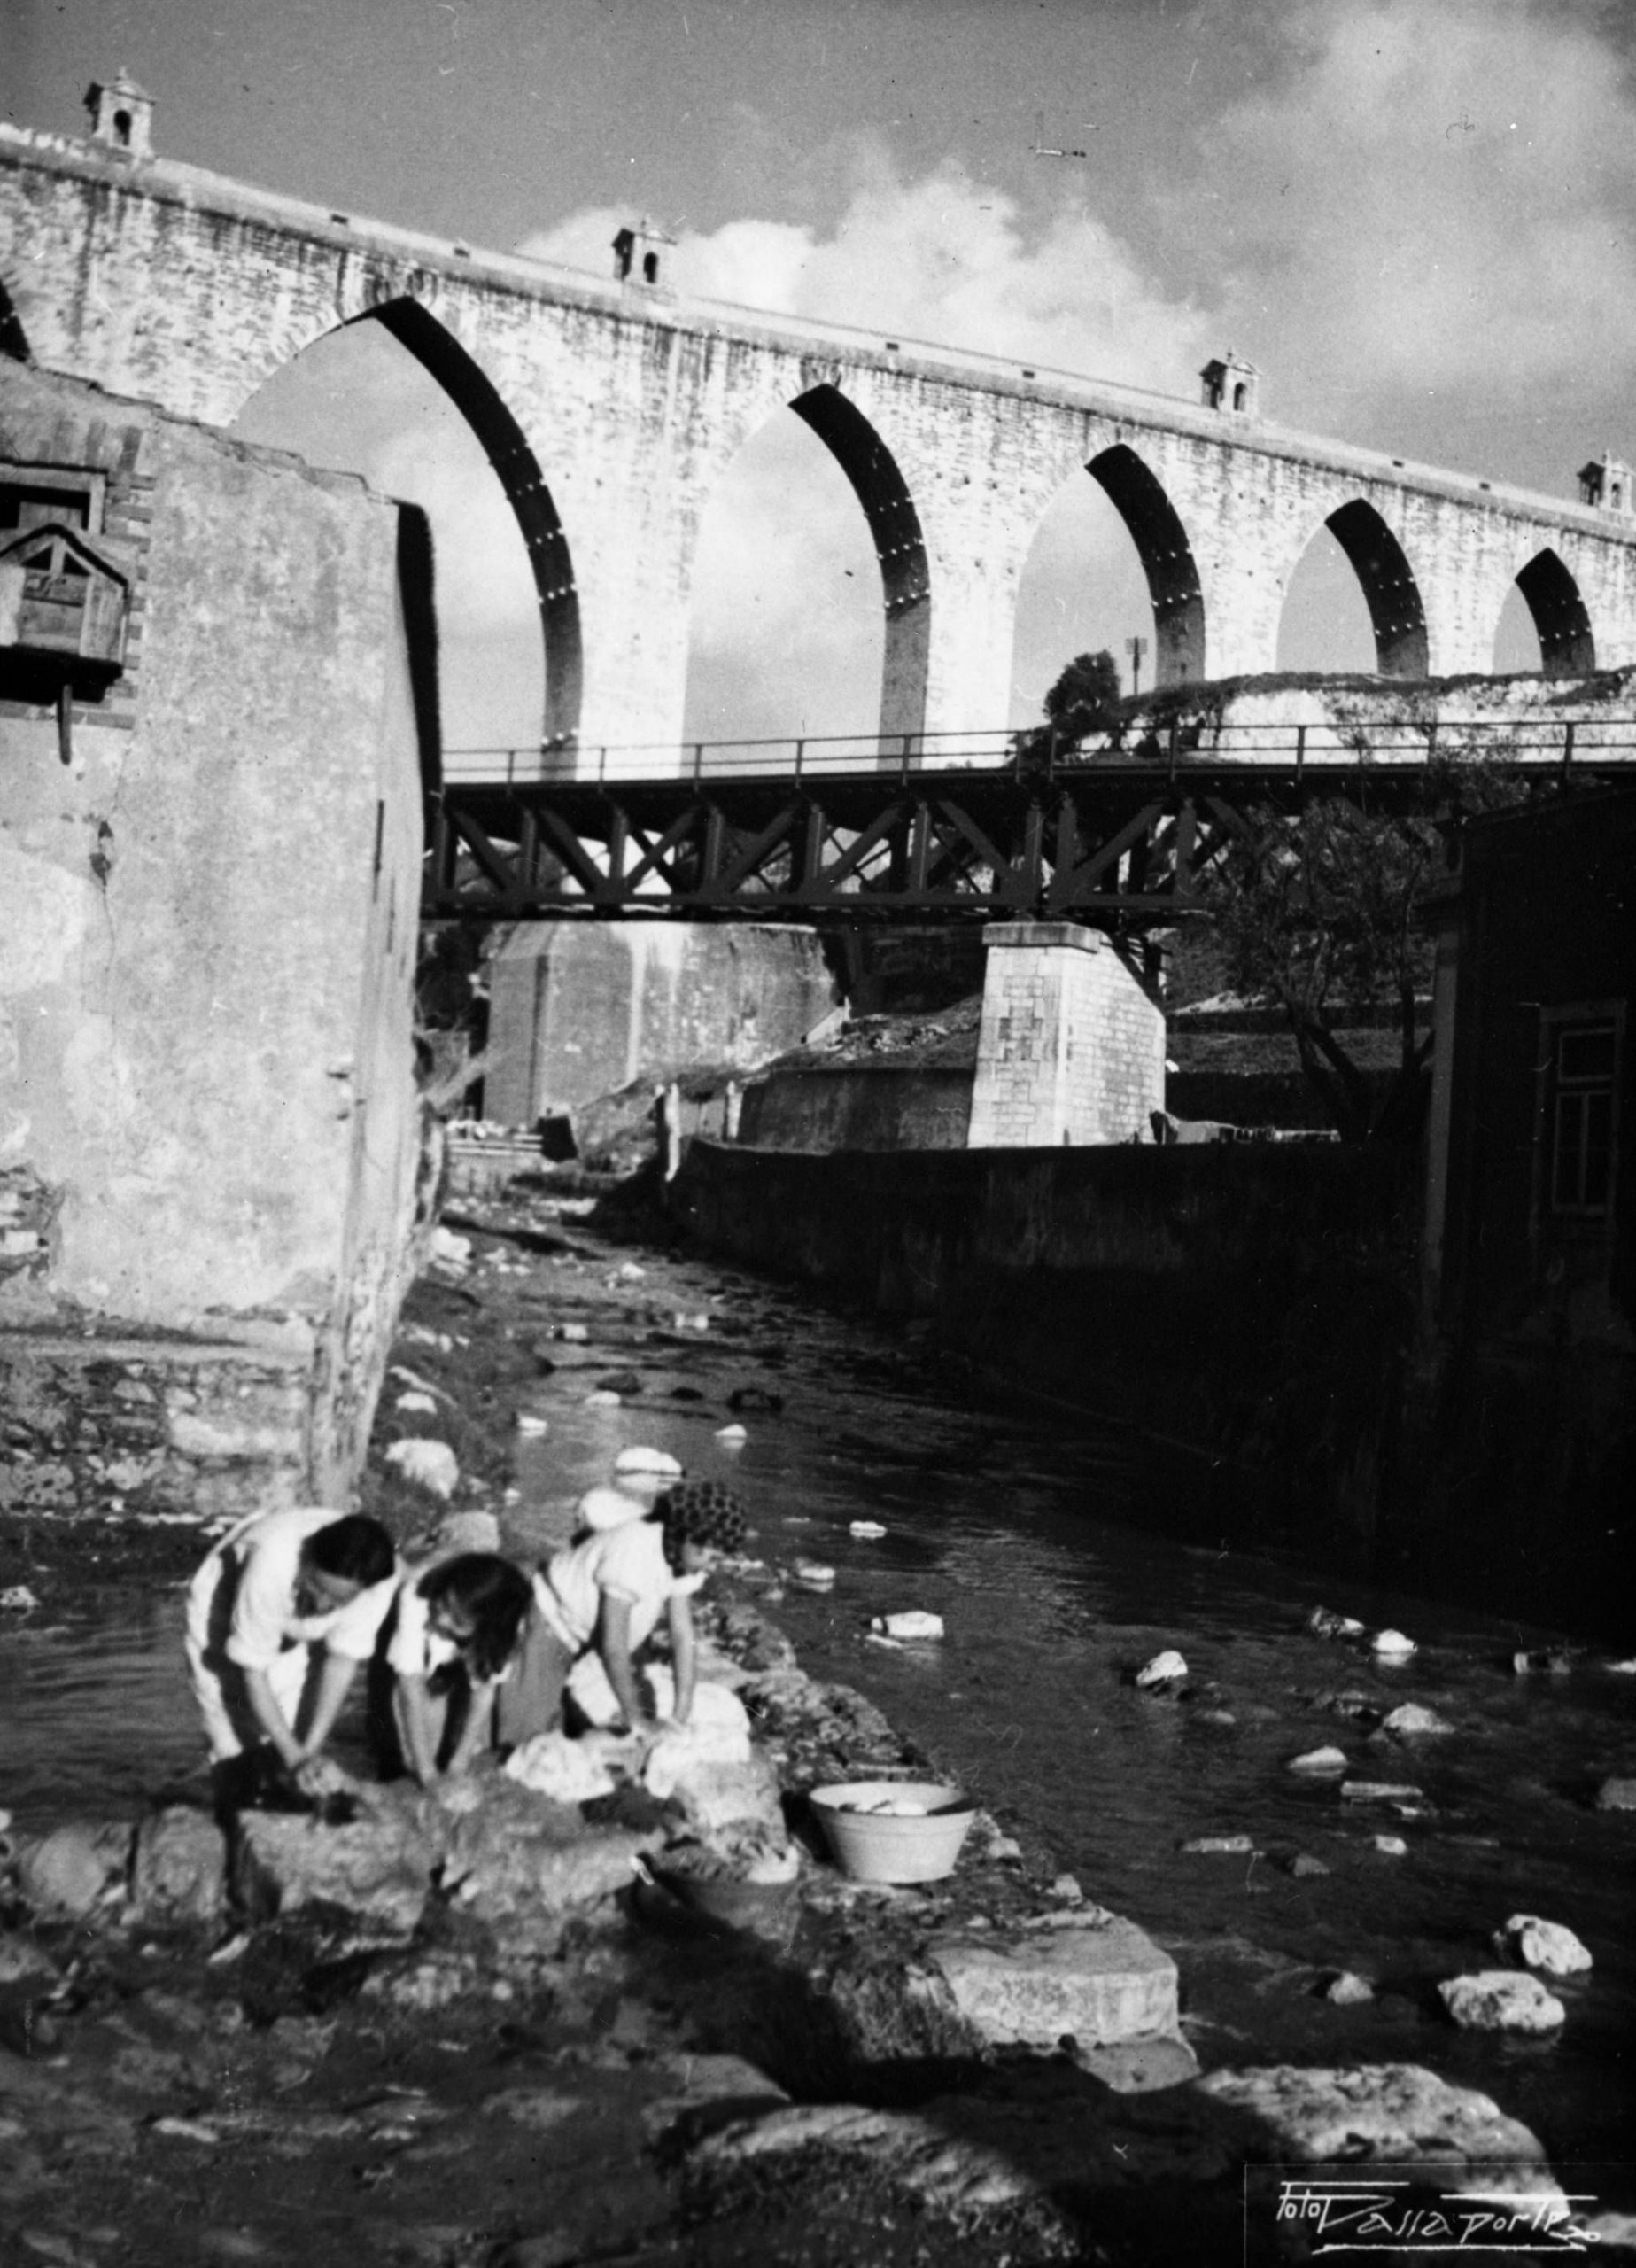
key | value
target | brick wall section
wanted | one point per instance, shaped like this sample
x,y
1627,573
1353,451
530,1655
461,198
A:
x,y
1071,1047
157,280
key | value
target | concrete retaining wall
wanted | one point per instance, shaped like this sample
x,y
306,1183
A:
x,y
859,1107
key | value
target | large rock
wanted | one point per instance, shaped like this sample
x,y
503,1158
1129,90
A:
x,y
1380,2113
378,1868
1549,1947
1501,1999
518,1857
730,1800
68,1874
470,1530
1060,2175
179,1869
1101,1981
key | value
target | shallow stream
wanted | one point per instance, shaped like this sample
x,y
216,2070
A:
x,y
1040,1544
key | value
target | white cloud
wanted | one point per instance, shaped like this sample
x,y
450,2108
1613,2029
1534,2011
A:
x,y
941,259
1431,200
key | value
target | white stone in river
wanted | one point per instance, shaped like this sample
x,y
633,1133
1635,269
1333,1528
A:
x,y
731,1434
1384,2114
867,1528
1393,1643
1164,1669
1546,1945
1501,1999
1320,1759
1324,1623
1412,1723
428,1465
913,1622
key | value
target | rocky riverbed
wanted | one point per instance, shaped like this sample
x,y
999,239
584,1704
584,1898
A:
x,y
481,2030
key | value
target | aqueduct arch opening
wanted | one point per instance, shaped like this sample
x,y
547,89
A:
x,y
13,342
393,395
518,469
1083,589
1567,645
1324,623
810,584
1392,595
1166,559
900,548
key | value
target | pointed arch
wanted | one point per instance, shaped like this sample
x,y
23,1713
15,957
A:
x,y
443,358
1567,647
1390,590
900,548
14,342
1166,560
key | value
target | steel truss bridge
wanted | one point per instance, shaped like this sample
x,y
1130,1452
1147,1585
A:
x,y
931,828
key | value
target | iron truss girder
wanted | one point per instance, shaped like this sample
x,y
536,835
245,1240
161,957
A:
x,y
1124,844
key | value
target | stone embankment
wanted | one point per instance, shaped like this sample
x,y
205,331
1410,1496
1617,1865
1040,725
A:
x,y
483,2025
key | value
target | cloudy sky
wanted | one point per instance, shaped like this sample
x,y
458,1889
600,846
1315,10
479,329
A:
x,y
1417,216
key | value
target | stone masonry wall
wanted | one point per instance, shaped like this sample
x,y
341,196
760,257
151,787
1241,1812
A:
x,y
1070,1046
209,1129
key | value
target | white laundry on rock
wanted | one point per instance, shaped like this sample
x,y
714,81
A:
x,y
429,1463
718,1732
569,1771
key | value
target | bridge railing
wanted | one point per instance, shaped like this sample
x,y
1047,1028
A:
x,y
1594,740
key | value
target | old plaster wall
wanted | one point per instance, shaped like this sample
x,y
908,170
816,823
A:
x,y
206,933
612,412
579,1010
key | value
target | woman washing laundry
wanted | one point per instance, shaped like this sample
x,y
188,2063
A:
x,y
279,1618
448,1644
607,1592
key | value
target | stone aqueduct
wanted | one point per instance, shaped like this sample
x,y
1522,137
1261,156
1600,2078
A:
x,y
610,411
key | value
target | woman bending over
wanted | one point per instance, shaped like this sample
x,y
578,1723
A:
x,y
449,1645
608,1592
